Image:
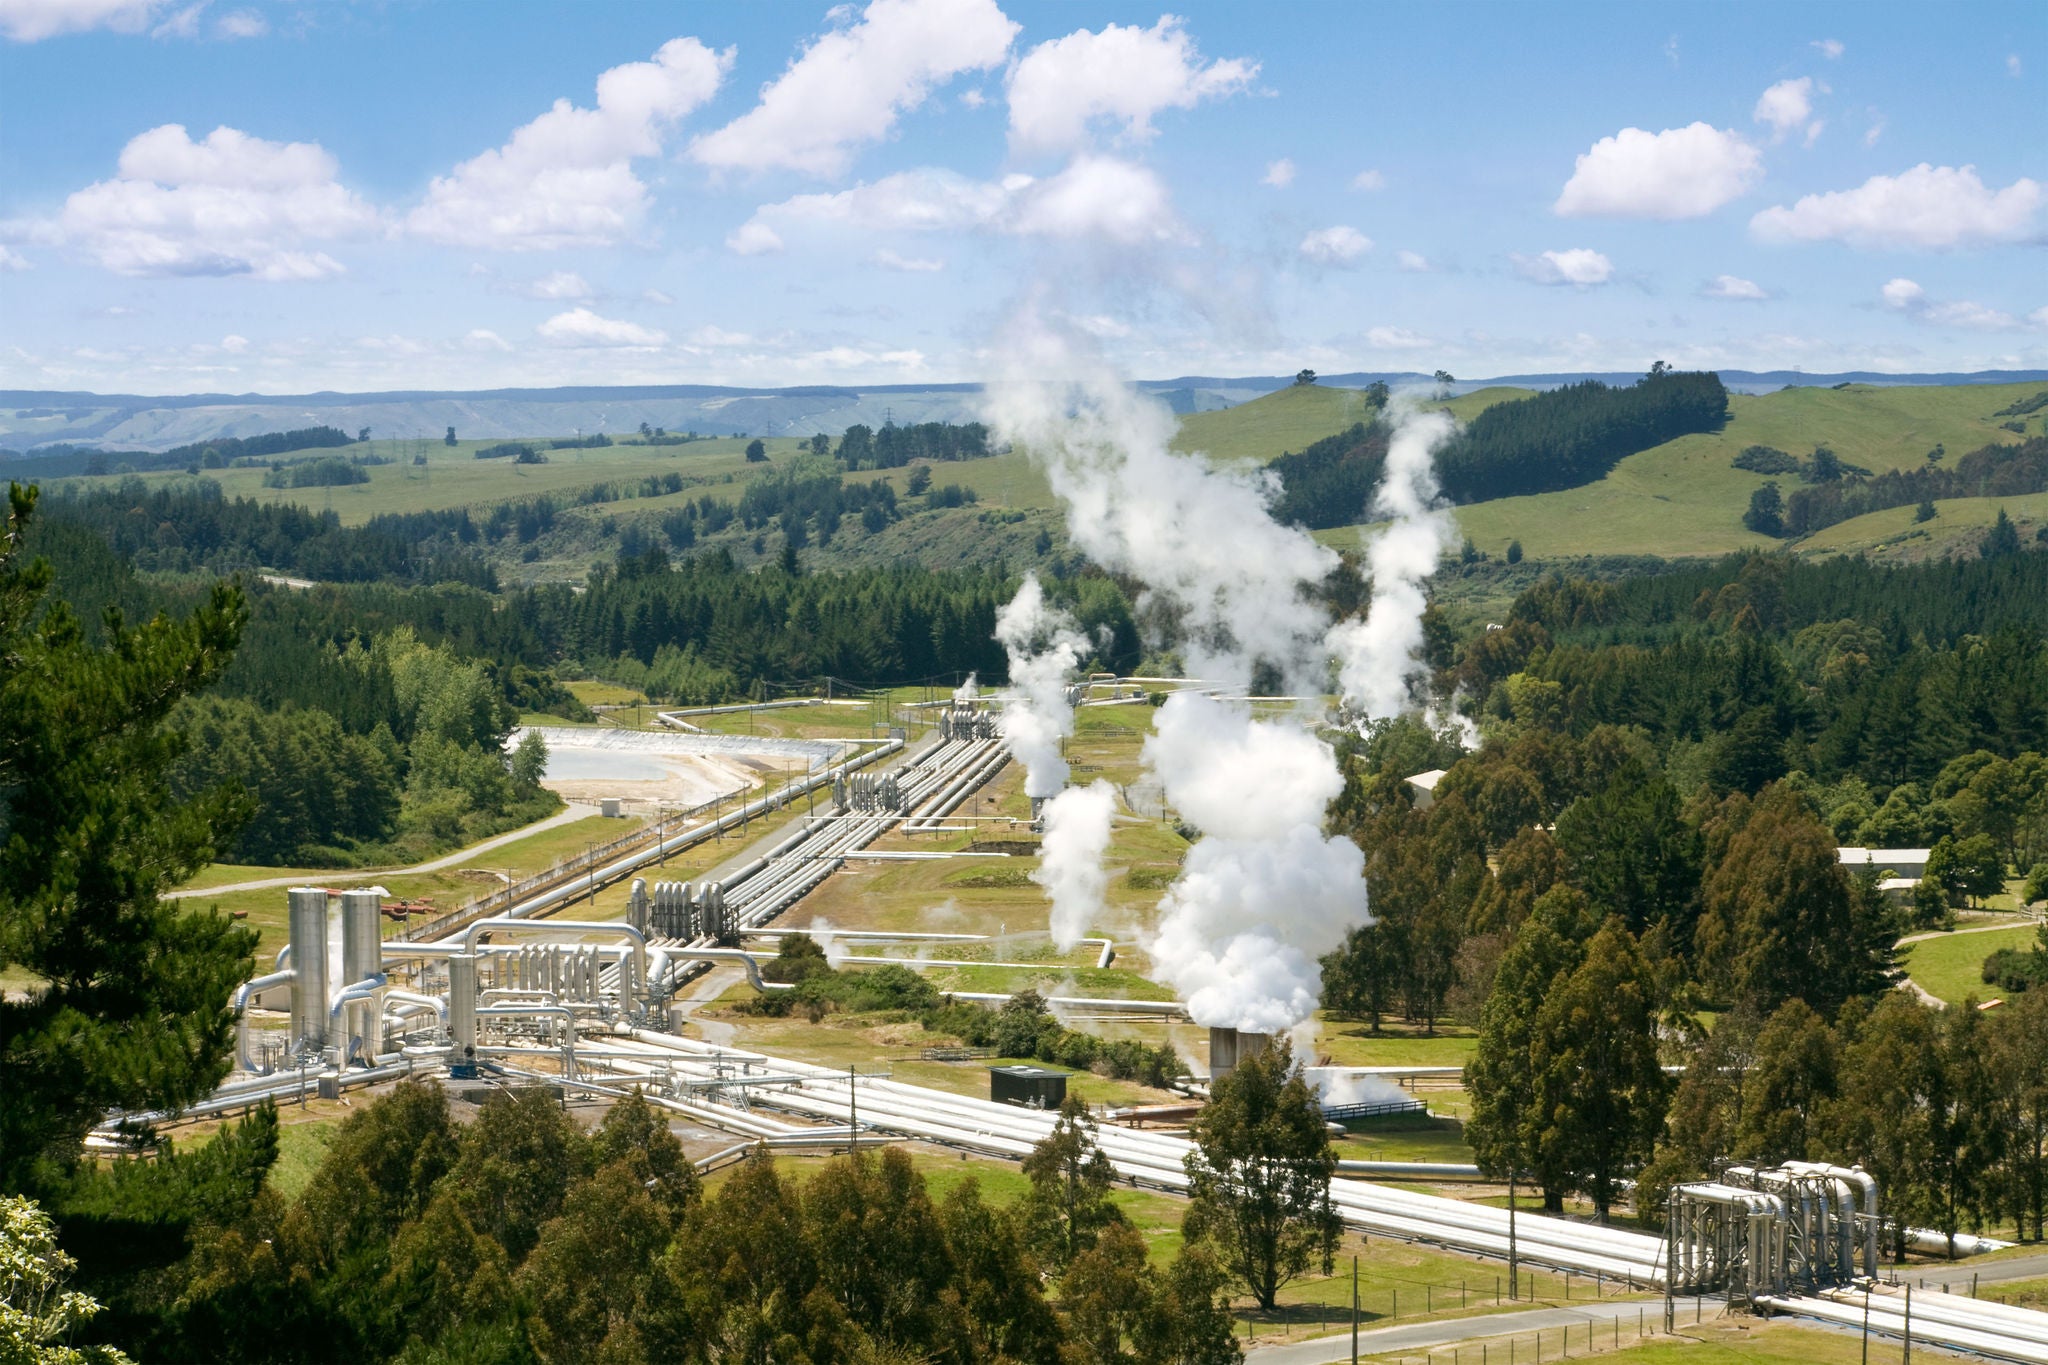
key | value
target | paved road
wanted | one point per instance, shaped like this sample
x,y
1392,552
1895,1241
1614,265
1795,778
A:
x,y
1435,1332
1968,929
569,815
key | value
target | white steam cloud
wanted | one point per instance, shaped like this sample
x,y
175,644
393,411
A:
x,y
1071,870
1263,893
1044,647
1377,657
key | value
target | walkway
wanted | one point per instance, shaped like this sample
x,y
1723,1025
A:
x,y
568,815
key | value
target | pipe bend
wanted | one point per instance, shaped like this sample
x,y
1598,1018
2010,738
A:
x,y
241,1008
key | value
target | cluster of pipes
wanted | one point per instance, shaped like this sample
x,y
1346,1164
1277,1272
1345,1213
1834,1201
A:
x,y
968,722
870,793
1767,1231
679,910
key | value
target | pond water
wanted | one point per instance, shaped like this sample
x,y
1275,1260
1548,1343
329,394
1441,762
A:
x,y
592,765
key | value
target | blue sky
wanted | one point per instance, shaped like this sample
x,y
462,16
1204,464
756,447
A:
x,y
283,197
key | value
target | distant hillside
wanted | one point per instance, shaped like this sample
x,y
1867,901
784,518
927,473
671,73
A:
x,y
34,418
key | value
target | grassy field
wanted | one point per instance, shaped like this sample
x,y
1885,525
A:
x,y
1959,525
1729,1340
1685,497
454,477
1950,967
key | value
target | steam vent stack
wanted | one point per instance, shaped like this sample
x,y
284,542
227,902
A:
x,y
1228,1047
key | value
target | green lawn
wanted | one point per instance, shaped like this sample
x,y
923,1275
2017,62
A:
x,y
1950,966
1729,1340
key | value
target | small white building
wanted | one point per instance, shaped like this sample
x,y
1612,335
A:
x,y
1909,864
1425,787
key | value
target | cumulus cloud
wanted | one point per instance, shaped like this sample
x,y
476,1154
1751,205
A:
x,y
850,86
1368,180
1339,245
1414,262
241,23
913,265
1928,206
1122,75
1906,296
31,21
1786,106
1094,197
233,344
1279,174
581,327
1830,48
1679,173
1580,267
1733,287
10,259
558,284
566,178
231,204
484,339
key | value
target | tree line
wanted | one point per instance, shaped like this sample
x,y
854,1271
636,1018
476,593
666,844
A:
x,y
1998,470
66,461
892,447
519,1237
1568,436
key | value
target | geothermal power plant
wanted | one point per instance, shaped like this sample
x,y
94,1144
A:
x,y
529,993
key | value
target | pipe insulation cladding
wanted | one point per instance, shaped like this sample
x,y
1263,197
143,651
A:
x,y
307,916
362,957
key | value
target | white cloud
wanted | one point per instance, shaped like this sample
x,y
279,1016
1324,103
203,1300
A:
x,y
10,259
1928,206
484,339
1414,262
1733,287
183,24
1124,74
1396,339
1580,267
1279,174
31,21
1095,197
2012,65
753,238
581,327
241,23
848,87
1907,297
1679,173
1368,180
1339,245
1876,129
229,205
1830,48
559,284
1813,131
1098,197
233,344
656,297
972,98
912,265
1785,106
566,178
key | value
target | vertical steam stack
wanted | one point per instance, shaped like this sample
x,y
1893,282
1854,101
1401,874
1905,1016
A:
x,y
362,954
308,922
1229,1046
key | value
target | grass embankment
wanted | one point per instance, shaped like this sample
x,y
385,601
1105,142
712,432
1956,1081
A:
x,y
1726,1340
1950,967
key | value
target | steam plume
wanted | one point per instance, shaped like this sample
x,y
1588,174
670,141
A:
x,y
1044,646
1377,657
1071,871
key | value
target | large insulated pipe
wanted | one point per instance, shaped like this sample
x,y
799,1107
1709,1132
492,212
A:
x,y
355,996
308,932
250,989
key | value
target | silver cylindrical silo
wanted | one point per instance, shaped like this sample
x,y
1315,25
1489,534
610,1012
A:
x,y
308,929
362,948
462,1013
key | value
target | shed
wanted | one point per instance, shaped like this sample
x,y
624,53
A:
x,y
1033,1087
1910,863
1425,787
